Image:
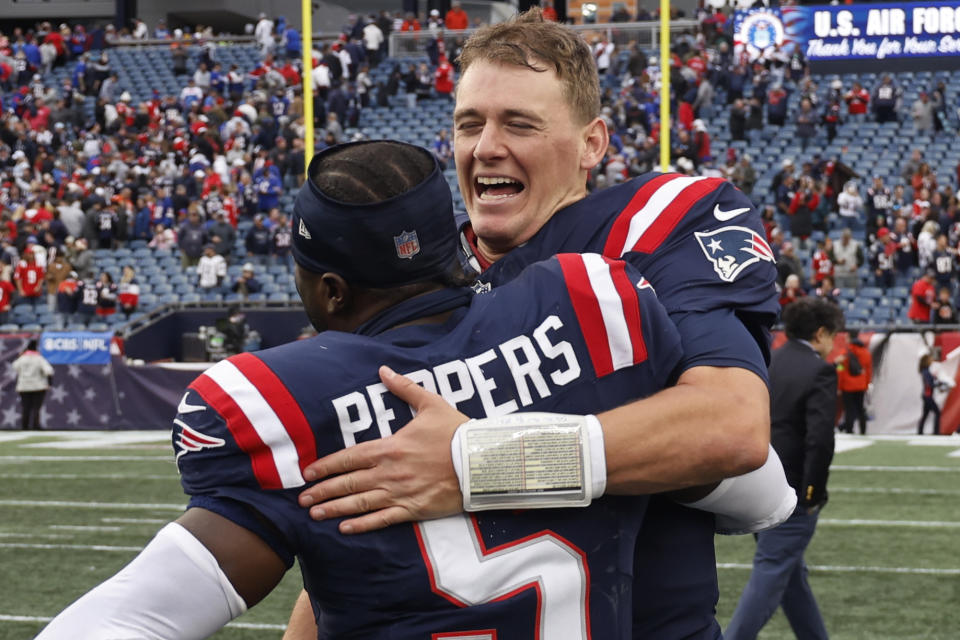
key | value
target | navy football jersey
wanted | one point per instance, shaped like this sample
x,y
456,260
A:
x,y
698,240
572,334
700,243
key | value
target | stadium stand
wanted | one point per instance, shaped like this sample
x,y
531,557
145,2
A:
x,y
152,134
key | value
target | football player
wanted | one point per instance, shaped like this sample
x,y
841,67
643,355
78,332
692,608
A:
x,y
527,132
375,242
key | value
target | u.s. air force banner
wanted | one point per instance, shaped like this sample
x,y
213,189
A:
x,y
859,32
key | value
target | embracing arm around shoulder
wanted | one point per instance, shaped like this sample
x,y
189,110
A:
x,y
712,425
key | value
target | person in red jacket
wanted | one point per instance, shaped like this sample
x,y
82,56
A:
x,y
854,374
443,78
29,278
410,23
857,100
821,264
456,18
6,294
922,295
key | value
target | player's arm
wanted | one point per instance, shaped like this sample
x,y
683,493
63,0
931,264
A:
x,y
410,475
193,577
302,625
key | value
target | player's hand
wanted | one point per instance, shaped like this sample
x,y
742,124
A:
x,y
408,476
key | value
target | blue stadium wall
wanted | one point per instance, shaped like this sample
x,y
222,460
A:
x,y
163,338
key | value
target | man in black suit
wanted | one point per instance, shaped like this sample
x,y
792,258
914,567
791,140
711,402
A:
x,y
803,399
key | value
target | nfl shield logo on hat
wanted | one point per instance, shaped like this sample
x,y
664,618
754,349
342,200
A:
x,y
407,243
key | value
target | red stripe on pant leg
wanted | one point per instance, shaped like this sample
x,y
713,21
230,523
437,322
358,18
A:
x,y
621,227
631,308
283,404
673,213
261,458
587,308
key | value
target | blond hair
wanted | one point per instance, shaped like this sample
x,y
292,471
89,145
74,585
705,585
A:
x,y
528,40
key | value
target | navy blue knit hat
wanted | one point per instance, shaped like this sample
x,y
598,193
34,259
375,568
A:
x,y
405,239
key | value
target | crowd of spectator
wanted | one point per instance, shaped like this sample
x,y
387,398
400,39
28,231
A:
x,y
890,232
204,171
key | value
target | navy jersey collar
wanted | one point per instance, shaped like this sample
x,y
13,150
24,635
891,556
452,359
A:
x,y
422,306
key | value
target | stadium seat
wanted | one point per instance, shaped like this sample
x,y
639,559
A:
x,y
98,326
9,328
54,324
859,316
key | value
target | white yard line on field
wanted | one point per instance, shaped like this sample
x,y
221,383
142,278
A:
x,y
843,569
875,467
235,625
135,520
897,491
90,505
68,547
102,440
926,524
935,441
83,527
21,459
84,476
850,444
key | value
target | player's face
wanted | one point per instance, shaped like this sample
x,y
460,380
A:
x,y
520,154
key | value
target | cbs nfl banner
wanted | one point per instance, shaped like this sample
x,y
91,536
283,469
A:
x,y
76,347
876,37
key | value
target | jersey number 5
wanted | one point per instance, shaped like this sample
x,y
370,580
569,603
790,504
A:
x,y
466,573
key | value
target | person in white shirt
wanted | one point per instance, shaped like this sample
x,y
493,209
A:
x,y
847,258
201,77
345,61
211,270
263,33
372,39
33,379
603,54
191,90
140,31
850,203
321,80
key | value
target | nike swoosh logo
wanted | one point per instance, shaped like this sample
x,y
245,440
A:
x,y
723,216
183,407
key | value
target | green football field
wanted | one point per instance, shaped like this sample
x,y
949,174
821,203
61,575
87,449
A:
x,y
885,563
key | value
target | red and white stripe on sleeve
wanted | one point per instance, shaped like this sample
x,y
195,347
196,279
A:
x,y
654,211
263,417
608,310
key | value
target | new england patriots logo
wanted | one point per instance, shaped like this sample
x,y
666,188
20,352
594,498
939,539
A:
x,y
733,249
190,439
